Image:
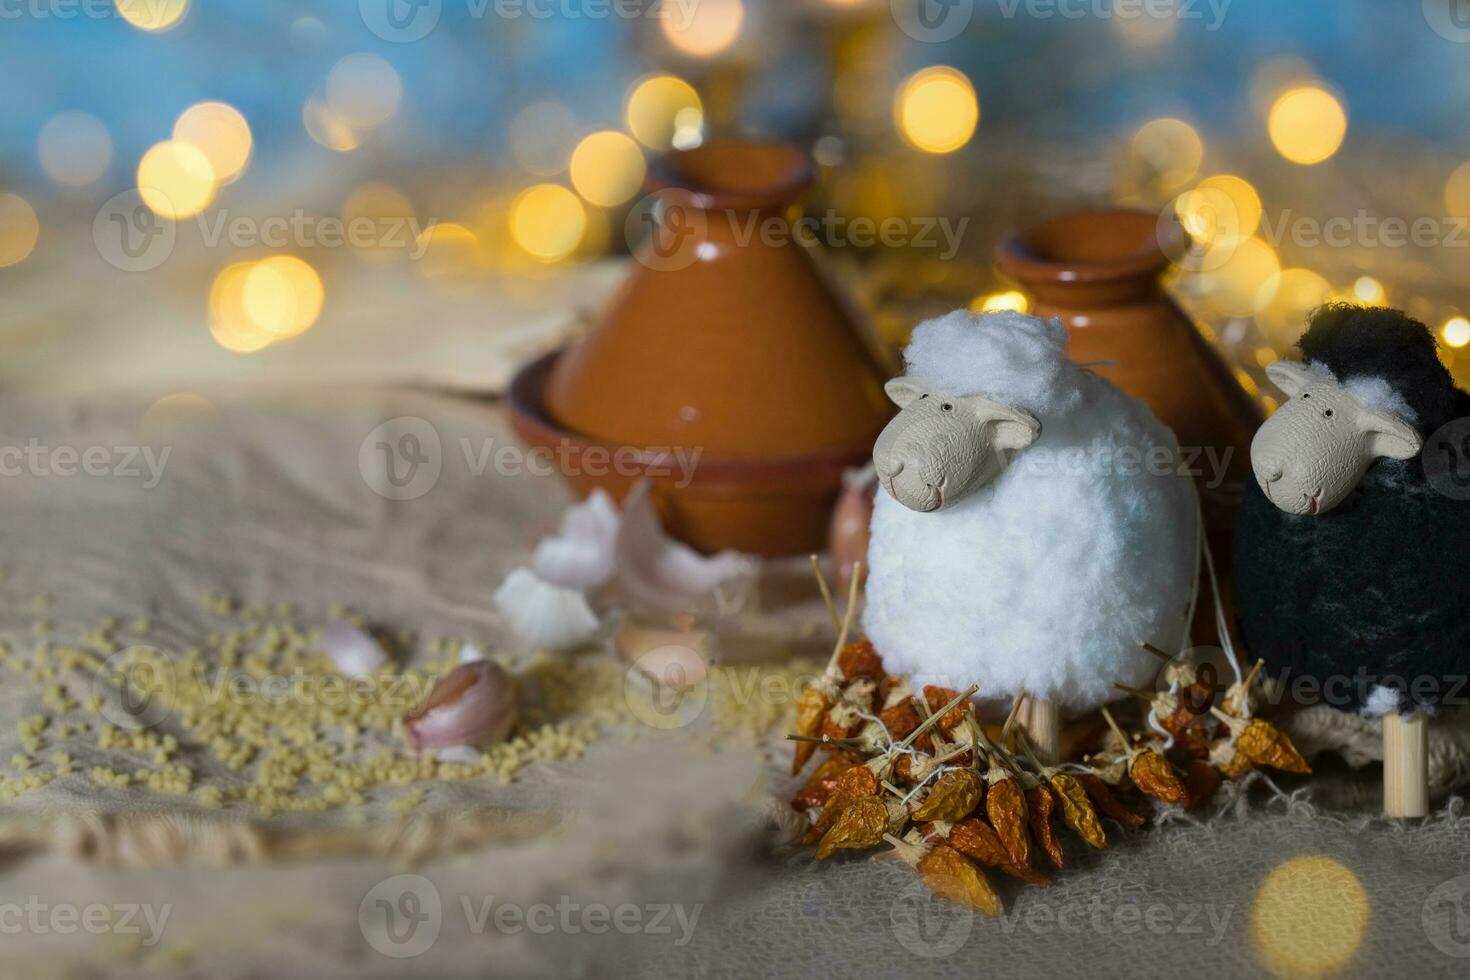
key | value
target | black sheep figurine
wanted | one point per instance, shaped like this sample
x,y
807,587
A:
x,y
1349,558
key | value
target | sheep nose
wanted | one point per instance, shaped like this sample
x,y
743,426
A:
x,y
889,468
1270,472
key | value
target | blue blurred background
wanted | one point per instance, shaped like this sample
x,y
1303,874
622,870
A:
x,y
516,132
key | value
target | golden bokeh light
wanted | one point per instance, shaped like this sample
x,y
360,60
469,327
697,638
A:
x,y
219,132
936,109
175,180
1457,191
1219,213
19,229
1307,124
1285,300
152,15
74,148
1368,290
363,91
1265,357
1010,299
541,138
705,28
1170,149
449,251
327,128
1309,918
1231,287
1456,331
663,108
282,295
384,211
547,222
607,168
229,323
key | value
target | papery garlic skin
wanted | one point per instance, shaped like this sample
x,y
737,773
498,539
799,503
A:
x,y
545,616
473,705
581,555
353,652
656,572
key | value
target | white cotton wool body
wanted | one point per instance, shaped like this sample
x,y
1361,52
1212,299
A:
x,y
1033,525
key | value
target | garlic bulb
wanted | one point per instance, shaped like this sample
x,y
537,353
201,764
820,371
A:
x,y
353,653
656,572
473,705
580,556
545,616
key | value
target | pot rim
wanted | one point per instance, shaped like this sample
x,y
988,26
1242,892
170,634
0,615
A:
x,y
813,471
1021,257
679,177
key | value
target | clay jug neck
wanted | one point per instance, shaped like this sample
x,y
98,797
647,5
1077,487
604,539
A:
x,y
733,175
1092,258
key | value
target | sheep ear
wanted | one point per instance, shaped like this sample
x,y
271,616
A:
x,y
1290,376
902,391
1014,428
1386,434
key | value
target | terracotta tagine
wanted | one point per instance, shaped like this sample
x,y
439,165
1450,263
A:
x,y
1100,272
727,341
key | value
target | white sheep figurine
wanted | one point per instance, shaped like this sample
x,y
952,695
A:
x,y
1034,524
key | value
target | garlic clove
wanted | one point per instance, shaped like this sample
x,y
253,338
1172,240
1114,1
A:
x,y
353,652
581,555
656,572
472,706
677,659
543,615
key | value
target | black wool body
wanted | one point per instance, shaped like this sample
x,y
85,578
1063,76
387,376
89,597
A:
x,y
1374,593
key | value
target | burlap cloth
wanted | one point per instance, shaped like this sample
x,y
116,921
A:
x,y
263,497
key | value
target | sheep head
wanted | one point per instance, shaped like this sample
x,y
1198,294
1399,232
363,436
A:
x,y
941,447
1312,451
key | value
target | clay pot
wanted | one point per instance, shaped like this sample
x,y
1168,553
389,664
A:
x,y
726,340
1099,271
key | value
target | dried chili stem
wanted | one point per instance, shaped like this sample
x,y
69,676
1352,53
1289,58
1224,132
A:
x,y
933,719
1005,729
857,569
1127,745
826,595
1165,657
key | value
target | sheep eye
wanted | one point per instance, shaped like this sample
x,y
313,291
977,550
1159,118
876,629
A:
x,y
1327,414
922,397
1306,394
947,407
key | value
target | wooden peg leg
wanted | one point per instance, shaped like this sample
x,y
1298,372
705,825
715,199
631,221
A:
x,y
1042,723
1405,765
